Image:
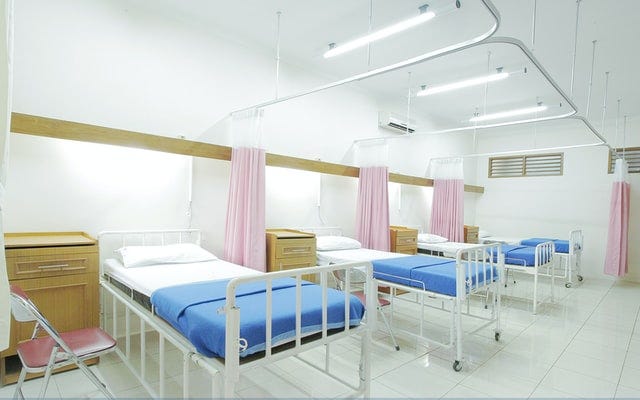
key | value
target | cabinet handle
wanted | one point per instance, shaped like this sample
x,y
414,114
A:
x,y
298,250
53,266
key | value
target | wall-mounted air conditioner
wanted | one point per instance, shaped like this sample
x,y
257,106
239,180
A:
x,y
395,122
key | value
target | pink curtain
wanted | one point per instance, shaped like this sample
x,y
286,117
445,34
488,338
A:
x,y
372,214
447,210
615,261
245,242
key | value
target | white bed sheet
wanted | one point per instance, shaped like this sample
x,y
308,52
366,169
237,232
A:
x,y
147,279
339,256
448,249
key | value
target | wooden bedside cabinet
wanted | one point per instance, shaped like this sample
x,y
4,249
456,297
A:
x,y
59,272
471,234
403,239
290,249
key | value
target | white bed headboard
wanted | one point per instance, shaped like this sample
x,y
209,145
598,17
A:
x,y
112,240
323,230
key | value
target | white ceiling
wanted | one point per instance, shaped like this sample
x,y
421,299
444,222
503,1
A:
x,y
307,28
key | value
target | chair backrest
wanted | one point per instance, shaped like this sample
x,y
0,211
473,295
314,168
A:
x,y
24,310
356,277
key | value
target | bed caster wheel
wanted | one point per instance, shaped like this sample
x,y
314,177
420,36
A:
x,y
580,278
497,336
486,306
397,348
567,285
457,366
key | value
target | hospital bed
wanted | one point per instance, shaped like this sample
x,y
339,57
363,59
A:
x,y
569,252
474,270
224,317
524,258
531,261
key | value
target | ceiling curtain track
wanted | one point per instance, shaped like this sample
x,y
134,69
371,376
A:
x,y
569,115
493,11
481,39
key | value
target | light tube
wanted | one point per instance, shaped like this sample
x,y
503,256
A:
x,y
506,114
463,84
380,34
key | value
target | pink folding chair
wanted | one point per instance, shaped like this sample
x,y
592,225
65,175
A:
x,y
47,353
357,277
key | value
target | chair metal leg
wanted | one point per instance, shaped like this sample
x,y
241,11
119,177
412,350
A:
x,y
393,337
23,375
93,378
48,372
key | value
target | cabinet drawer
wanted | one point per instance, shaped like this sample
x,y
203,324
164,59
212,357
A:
x,y
286,248
410,249
293,263
406,240
35,266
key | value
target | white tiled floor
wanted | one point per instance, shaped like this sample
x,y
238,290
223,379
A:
x,y
585,345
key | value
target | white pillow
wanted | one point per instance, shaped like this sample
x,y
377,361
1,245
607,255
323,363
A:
x,y
431,238
482,234
140,256
328,243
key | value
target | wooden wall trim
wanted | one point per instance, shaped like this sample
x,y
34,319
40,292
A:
x,y
61,129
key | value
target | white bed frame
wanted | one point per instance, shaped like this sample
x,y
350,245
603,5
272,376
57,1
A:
x,y
544,261
478,256
569,263
465,259
573,260
230,368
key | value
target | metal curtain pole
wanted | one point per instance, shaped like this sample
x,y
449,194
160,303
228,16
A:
x,y
370,25
593,61
408,100
624,136
604,101
575,46
533,25
615,140
486,84
279,13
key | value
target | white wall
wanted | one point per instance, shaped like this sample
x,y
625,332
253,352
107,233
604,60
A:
x,y
552,206
109,63
56,185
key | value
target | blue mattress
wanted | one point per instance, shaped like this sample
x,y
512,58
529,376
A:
x,y
193,310
433,274
562,246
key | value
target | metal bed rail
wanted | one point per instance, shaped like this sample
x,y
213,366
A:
x,y
486,264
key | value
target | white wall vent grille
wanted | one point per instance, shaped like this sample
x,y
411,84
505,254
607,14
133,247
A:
x,y
631,154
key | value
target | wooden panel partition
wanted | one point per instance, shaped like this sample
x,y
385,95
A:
x,y
61,129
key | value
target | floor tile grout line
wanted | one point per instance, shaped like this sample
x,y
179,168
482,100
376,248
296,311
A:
x,y
626,353
571,340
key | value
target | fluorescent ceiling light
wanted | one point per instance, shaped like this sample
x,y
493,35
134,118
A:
x,y
506,114
381,34
426,91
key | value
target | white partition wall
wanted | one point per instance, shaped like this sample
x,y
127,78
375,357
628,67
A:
x,y
6,43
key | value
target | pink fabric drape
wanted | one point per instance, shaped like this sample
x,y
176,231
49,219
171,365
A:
x,y
245,241
615,262
372,214
447,211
